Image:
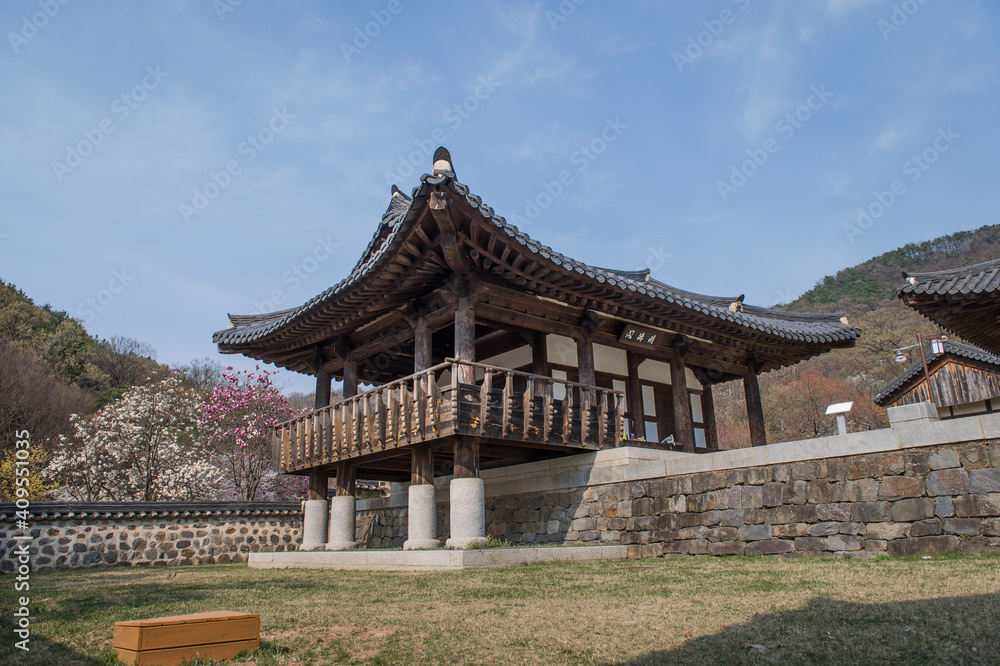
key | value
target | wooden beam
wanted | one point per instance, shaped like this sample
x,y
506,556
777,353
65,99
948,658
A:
x,y
322,380
423,339
585,360
465,337
421,465
634,396
755,412
466,458
683,426
708,413
345,484
453,249
318,483
350,376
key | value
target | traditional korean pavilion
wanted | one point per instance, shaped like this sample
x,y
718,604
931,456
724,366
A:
x,y
483,348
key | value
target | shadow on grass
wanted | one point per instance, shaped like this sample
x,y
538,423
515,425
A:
x,y
949,630
44,651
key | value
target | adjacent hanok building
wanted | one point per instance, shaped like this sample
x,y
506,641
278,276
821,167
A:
x,y
963,380
463,344
965,301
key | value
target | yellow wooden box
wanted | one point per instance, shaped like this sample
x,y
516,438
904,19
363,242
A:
x,y
166,641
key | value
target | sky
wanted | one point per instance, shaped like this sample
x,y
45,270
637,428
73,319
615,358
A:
x,y
165,163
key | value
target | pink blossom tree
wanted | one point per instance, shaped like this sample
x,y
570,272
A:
x,y
237,420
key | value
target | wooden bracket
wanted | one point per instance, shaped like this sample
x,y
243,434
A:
x,y
455,253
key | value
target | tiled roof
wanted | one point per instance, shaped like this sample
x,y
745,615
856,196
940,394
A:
x,y
975,279
820,328
952,349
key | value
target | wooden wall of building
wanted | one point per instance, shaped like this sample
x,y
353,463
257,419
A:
x,y
955,383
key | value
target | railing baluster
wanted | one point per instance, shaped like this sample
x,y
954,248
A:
x,y
602,418
300,443
436,400
393,427
418,397
339,436
484,399
619,419
380,419
527,404
567,414
507,391
584,415
548,413
286,448
407,403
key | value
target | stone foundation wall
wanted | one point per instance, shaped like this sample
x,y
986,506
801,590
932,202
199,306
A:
x,y
114,535
930,499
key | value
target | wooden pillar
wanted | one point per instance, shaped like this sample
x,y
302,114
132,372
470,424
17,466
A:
x,y
350,376
422,344
322,387
466,458
585,361
465,338
318,484
634,396
345,483
421,465
539,362
683,426
708,413
755,412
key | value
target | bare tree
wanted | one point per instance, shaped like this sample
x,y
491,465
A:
x,y
201,374
126,361
32,399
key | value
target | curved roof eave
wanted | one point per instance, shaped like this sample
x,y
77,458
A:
x,y
818,328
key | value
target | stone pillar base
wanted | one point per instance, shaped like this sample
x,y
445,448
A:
x,y
342,523
468,513
314,525
421,518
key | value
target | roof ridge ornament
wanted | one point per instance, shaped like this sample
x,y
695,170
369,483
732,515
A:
x,y
442,161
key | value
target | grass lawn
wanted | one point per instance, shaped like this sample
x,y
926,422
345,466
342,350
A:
x,y
722,610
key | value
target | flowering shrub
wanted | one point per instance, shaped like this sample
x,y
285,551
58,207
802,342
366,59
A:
x,y
237,419
144,447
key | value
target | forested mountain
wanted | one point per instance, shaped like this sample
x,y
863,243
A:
x,y
50,367
875,281
795,398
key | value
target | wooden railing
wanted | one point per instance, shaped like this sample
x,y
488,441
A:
x,y
432,404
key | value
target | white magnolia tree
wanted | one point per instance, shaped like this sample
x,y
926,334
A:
x,y
144,447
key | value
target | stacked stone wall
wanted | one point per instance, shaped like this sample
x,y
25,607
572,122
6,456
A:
x,y
68,539
935,499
